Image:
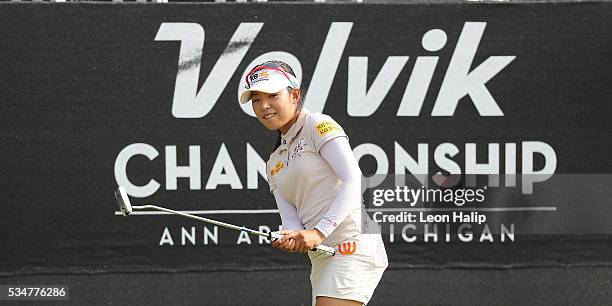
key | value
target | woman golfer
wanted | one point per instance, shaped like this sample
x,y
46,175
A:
x,y
316,182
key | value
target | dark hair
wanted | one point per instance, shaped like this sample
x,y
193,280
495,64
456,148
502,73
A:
x,y
289,70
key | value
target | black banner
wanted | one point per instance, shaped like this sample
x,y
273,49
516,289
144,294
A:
x,y
145,96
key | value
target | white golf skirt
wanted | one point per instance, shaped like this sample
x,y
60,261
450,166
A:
x,y
353,273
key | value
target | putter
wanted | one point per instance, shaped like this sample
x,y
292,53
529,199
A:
x,y
126,208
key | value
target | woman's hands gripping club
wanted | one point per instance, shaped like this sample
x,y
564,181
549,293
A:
x,y
298,241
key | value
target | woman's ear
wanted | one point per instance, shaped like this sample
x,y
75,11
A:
x,y
295,95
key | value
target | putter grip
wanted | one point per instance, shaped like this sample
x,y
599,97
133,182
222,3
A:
x,y
325,249
275,236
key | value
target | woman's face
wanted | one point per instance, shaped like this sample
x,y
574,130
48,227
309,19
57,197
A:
x,y
276,111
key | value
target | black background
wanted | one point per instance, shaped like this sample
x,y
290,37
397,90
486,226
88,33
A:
x,y
82,81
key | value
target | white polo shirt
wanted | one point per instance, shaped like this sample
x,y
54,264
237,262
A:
x,y
305,179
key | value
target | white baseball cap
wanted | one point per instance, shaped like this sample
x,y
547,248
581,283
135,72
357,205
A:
x,y
268,79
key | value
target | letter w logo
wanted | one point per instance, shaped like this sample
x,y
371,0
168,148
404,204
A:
x,y
346,248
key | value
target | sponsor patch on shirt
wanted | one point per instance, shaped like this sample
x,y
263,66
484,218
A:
x,y
347,249
300,147
277,168
327,127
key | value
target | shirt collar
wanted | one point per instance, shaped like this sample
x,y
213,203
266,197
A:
x,y
295,128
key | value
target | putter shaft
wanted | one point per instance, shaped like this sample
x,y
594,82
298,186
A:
x,y
271,235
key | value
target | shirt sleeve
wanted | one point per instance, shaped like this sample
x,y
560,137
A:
x,y
288,213
339,156
325,129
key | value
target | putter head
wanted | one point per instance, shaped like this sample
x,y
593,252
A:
x,y
123,201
